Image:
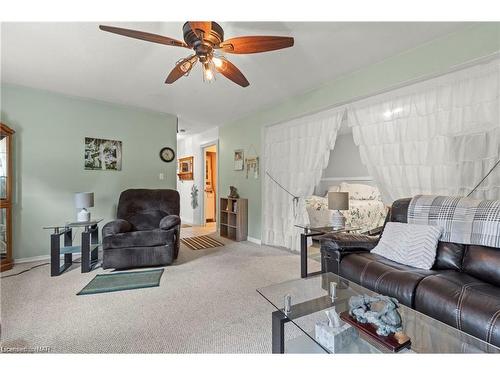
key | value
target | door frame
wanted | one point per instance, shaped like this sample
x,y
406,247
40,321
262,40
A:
x,y
203,146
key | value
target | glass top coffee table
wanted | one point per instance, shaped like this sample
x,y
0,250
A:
x,y
310,299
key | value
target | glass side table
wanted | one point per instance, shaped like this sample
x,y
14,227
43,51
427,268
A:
x,y
309,231
89,247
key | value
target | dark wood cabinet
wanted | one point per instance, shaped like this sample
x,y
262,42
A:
x,y
6,261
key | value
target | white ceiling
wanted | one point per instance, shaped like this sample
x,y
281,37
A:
x,y
79,59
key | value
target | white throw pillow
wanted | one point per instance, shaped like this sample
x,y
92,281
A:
x,y
360,191
332,189
411,244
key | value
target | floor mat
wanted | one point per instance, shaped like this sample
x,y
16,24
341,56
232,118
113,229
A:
x,y
113,282
201,242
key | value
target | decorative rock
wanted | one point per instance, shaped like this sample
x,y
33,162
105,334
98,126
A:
x,y
378,310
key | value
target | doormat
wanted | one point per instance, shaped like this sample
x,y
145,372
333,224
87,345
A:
x,y
201,242
114,282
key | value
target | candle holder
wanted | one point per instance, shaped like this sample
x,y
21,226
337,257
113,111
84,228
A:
x,y
333,291
288,304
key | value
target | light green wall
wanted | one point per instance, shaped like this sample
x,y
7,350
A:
x,y
234,138
48,161
431,58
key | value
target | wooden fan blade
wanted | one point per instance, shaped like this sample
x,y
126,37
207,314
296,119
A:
x,y
230,71
255,44
200,27
182,68
155,38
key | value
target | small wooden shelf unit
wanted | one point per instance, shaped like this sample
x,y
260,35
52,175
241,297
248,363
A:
x,y
233,222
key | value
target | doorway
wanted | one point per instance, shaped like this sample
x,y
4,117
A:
x,y
210,185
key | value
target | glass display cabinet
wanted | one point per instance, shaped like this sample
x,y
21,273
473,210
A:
x,y
6,134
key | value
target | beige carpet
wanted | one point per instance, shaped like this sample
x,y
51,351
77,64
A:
x,y
206,303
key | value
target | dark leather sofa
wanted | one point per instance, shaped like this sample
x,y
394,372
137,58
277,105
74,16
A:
x,y
462,289
146,232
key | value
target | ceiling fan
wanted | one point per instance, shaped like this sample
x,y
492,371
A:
x,y
207,40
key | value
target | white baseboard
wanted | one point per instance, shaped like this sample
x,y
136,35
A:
x,y
184,221
39,258
254,240
31,259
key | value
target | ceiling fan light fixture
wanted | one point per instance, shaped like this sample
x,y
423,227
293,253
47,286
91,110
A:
x,y
208,72
217,61
186,66
205,38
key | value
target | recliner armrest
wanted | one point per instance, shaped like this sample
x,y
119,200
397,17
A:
x,y
169,222
348,242
116,227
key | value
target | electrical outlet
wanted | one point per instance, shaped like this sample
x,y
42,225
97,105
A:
x,y
161,176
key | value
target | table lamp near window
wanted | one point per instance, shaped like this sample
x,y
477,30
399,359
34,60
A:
x,y
82,202
338,201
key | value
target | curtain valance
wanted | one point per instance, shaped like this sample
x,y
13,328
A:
x,y
440,136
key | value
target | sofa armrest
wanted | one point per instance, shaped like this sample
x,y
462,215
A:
x,y
116,227
335,246
348,242
169,222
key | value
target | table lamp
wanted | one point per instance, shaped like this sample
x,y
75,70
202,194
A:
x,y
338,201
82,202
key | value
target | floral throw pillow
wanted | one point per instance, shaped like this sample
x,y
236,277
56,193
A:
x,y
360,191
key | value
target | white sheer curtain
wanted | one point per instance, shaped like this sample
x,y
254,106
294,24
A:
x,y
436,137
296,152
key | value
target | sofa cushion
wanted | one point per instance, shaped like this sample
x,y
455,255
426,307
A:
x,y
410,244
146,220
449,256
399,210
134,201
383,275
483,262
463,302
142,238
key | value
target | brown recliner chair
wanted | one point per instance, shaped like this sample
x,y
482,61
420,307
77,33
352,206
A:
x,y
146,232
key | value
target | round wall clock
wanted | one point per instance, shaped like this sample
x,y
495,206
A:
x,y
167,154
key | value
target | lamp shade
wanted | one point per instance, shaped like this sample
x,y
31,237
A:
x,y
338,201
84,200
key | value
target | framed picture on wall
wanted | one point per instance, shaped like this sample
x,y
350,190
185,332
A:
x,y
185,168
252,165
103,154
238,160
